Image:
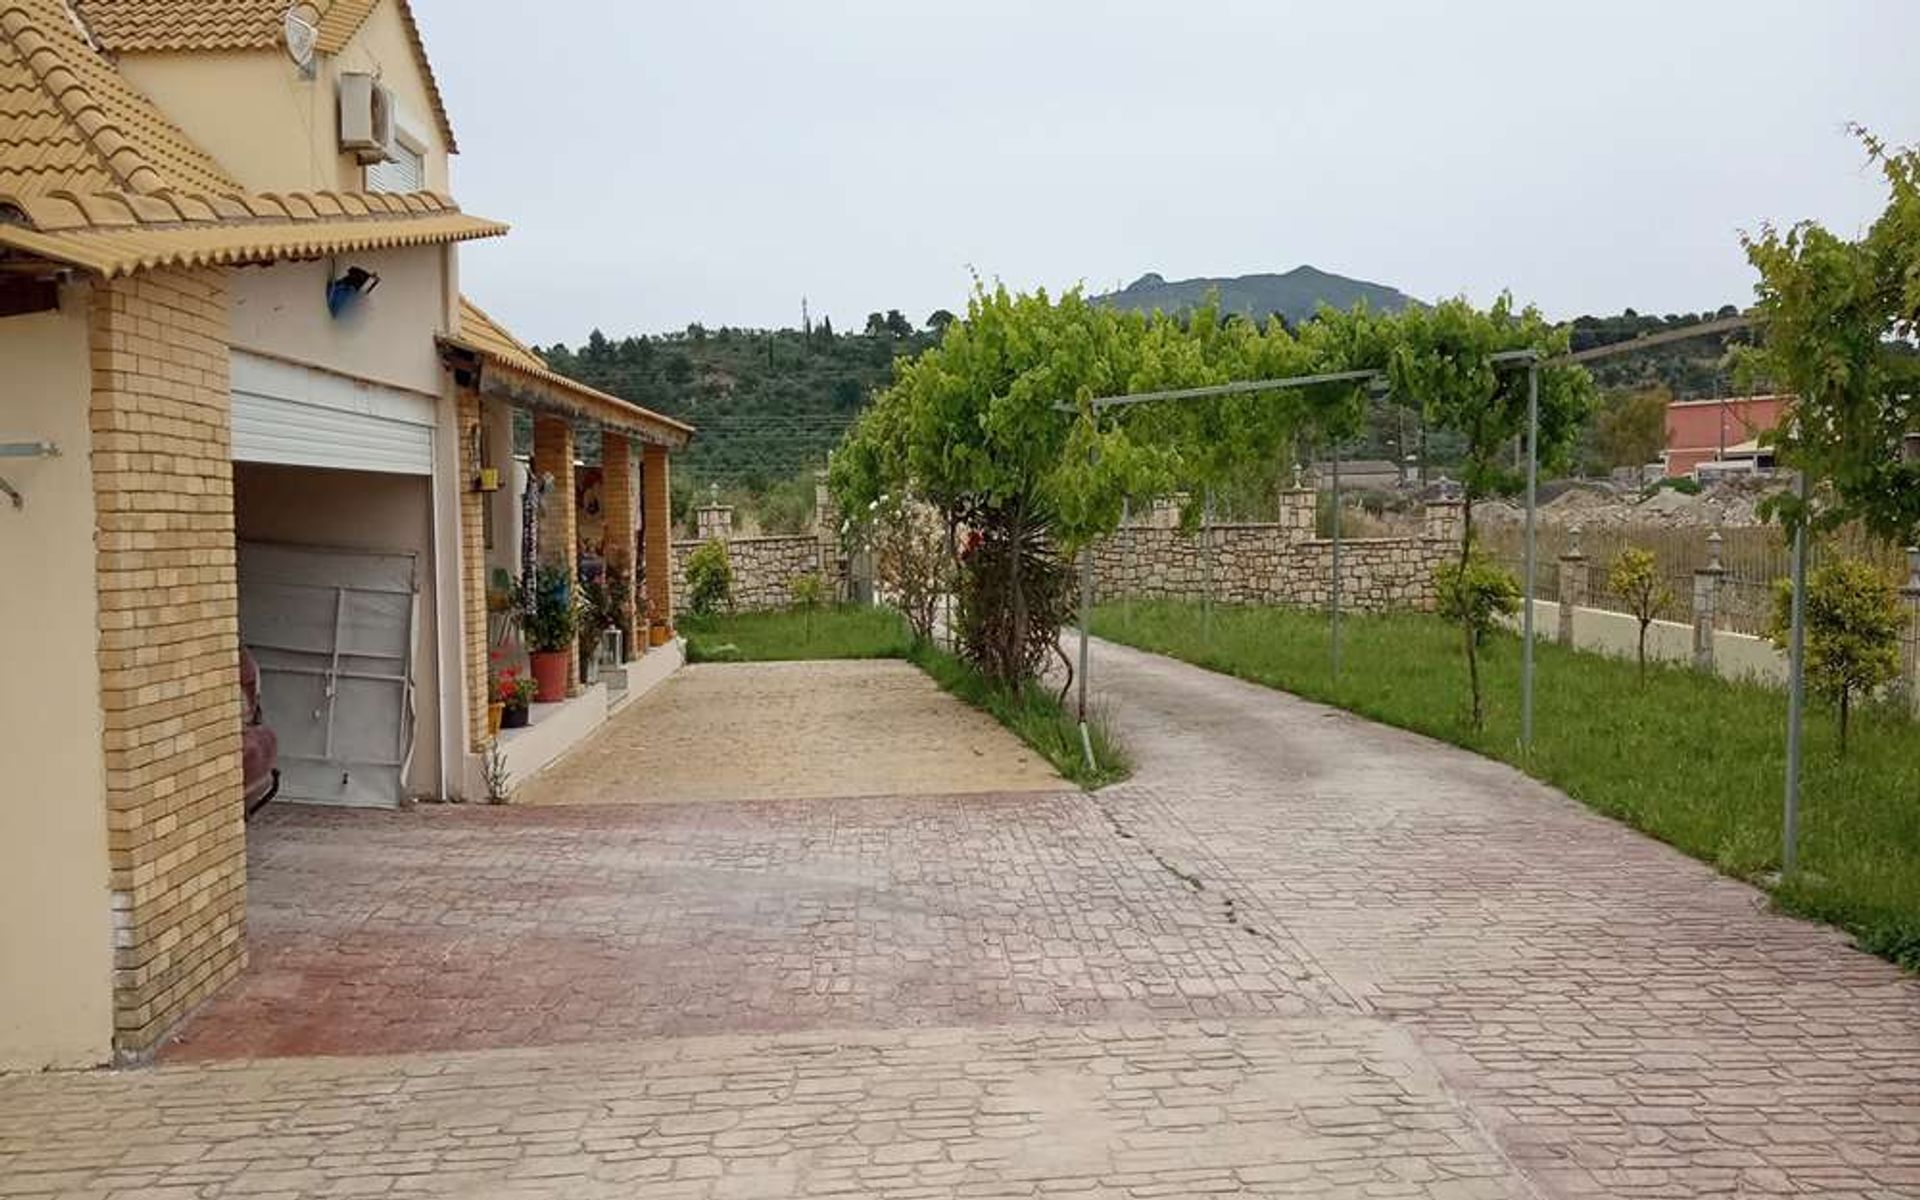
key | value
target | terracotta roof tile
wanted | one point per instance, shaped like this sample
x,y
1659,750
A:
x,y
118,233
482,335
137,26
68,121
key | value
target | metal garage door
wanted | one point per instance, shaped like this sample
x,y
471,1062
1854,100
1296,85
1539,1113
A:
x,y
333,632
300,417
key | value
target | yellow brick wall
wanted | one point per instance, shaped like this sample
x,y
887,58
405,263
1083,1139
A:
x,y
656,492
620,511
559,519
168,650
473,570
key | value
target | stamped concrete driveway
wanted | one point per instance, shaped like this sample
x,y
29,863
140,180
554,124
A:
x,y
1297,955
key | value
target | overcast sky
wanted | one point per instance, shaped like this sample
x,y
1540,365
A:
x,y
720,159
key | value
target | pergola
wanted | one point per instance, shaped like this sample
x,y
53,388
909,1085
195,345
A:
x,y
494,374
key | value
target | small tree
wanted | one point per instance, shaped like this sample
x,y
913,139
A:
x,y
1854,624
1442,359
1635,578
709,578
1474,593
807,593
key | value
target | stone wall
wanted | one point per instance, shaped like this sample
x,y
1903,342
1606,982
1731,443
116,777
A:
x,y
764,568
1278,563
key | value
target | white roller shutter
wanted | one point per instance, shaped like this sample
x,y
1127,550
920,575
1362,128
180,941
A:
x,y
297,416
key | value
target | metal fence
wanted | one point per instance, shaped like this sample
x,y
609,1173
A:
x,y
1754,559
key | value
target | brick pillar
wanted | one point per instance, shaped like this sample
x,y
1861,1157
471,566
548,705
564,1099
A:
x,y
1298,510
1445,521
169,645
713,521
559,517
826,531
657,520
1706,604
473,569
1911,594
1573,588
619,504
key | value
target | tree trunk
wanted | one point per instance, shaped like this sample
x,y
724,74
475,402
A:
x,y
1846,698
1643,649
1473,635
1016,647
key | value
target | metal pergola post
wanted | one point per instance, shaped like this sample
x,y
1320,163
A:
x,y
1796,690
1526,619
1206,566
1333,590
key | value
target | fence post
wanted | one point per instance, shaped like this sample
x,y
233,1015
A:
x,y
1911,593
1706,604
1573,587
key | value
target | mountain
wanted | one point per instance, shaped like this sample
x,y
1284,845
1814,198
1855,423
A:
x,y
1294,295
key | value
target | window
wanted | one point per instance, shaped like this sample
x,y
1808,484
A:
x,y
406,171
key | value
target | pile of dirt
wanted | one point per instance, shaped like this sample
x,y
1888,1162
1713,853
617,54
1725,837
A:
x,y
1729,505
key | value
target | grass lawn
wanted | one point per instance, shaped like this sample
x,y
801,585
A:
x,y
1695,761
846,631
1037,717
857,631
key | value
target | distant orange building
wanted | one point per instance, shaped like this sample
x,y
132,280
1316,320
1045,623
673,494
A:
x,y
1707,430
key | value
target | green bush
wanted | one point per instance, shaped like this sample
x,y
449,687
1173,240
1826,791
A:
x,y
548,610
1685,485
1854,625
807,591
710,578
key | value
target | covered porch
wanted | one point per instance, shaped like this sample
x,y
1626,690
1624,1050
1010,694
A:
x,y
556,475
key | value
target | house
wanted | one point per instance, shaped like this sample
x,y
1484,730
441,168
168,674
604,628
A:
x,y
243,401
1722,429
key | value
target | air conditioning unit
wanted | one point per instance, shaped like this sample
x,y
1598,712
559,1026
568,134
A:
x,y
366,118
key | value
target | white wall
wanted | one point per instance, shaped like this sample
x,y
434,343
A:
x,y
275,131
56,964
387,336
1735,655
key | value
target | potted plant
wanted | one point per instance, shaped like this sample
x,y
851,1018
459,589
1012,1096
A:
x,y
602,607
512,694
657,632
549,619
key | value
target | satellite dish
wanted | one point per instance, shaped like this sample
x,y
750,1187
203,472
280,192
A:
x,y
302,39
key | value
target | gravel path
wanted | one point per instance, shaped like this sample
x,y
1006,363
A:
x,y
793,730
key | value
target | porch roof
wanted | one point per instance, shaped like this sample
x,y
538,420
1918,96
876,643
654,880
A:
x,y
512,371
119,233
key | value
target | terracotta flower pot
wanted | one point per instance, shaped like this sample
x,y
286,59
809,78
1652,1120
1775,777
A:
x,y
550,672
495,711
657,635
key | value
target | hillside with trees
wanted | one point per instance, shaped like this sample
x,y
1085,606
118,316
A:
x,y
1295,295
771,403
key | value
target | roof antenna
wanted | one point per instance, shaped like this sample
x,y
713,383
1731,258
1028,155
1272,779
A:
x,y
302,37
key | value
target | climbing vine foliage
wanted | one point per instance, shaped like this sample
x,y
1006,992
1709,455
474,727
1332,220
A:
x,y
1840,323
995,430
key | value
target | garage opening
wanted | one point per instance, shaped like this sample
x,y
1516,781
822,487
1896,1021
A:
x,y
333,513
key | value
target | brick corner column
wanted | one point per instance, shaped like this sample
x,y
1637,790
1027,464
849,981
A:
x,y
473,568
620,509
1706,604
657,519
1573,588
162,418
559,516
